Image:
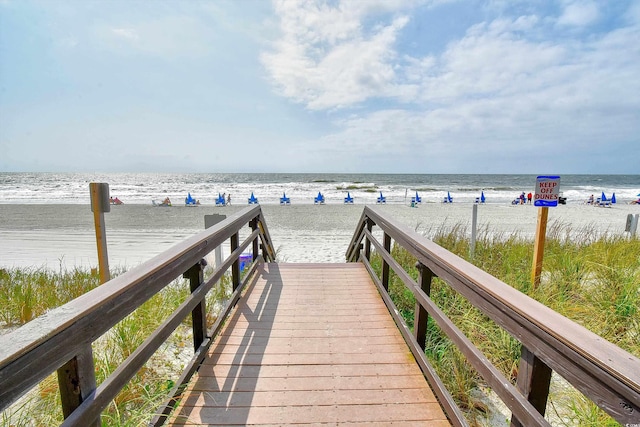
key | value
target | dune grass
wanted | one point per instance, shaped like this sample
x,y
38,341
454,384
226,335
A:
x,y
590,278
27,293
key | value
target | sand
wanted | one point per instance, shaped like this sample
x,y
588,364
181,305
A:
x,y
62,236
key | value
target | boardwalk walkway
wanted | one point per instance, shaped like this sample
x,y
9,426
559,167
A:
x,y
310,344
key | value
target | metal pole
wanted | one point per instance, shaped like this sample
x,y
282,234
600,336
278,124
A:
x,y
474,222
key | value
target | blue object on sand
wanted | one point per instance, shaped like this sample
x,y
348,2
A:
x,y
253,200
381,199
448,199
220,200
613,198
284,200
348,199
416,200
319,199
245,259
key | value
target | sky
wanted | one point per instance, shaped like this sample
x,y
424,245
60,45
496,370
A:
x,y
357,86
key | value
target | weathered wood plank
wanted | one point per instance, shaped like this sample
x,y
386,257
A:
x,y
310,344
287,415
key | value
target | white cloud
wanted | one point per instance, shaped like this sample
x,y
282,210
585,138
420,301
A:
x,y
496,93
126,33
579,14
326,57
169,36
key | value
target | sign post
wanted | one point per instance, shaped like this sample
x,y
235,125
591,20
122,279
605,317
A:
x,y
100,205
547,194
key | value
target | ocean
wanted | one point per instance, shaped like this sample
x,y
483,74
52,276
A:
x,y
46,221
142,188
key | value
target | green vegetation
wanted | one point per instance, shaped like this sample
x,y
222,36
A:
x,y
365,188
592,279
28,293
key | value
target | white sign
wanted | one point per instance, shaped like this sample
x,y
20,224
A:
x,y
547,191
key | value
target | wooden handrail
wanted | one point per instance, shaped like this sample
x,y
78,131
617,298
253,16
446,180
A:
x,y
42,346
603,372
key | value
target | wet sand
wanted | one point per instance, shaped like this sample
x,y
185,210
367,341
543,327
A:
x,y
62,236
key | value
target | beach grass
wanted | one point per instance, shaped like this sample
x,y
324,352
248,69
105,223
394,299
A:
x,y
592,279
27,293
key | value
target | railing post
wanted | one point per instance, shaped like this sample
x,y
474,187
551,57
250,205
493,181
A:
x,y
367,245
199,314
421,315
385,265
76,380
255,246
534,378
235,269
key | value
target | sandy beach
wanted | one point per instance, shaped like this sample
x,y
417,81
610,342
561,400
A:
x,y
62,236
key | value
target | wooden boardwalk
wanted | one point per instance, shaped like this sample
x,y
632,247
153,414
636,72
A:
x,y
310,344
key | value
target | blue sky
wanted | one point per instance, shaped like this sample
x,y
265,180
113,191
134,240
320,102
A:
x,y
393,86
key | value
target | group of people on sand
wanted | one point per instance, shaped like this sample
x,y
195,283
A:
x,y
115,201
591,201
522,199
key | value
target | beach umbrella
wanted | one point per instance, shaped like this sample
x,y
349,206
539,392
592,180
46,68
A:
x,y
603,197
448,197
613,198
482,197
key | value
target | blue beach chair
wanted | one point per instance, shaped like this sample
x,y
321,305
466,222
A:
x,y
381,199
348,199
284,200
319,199
252,200
220,200
189,201
416,200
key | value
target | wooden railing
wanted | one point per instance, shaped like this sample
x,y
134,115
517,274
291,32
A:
x,y
61,340
603,372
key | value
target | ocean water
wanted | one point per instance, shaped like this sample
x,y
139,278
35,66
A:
x,y
142,188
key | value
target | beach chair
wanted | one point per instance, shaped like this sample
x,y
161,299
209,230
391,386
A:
x,y
448,198
220,201
381,199
252,200
319,199
416,200
189,201
348,199
284,200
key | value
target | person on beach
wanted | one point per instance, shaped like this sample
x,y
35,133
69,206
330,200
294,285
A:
x,y
529,196
522,198
229,199
590,201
